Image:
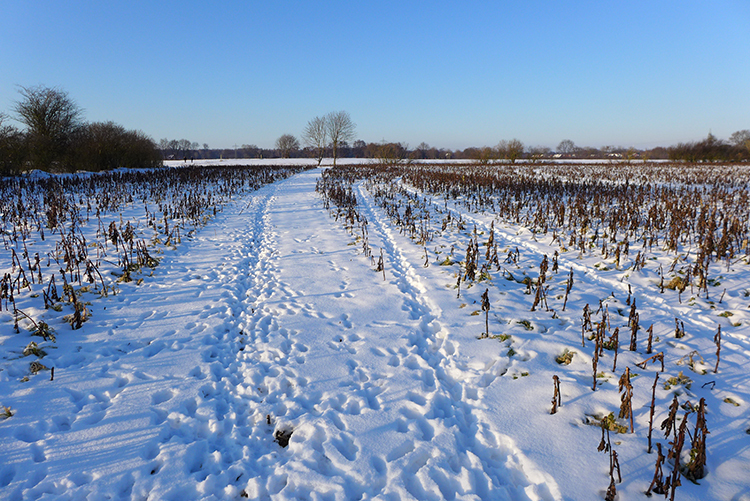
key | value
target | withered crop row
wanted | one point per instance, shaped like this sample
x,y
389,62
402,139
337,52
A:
x,y
69,226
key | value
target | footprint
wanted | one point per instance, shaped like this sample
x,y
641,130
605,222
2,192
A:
x,y
411,363
154,467
346,446
416,398
159,416
81,478
191,407
345,321
36,476
210,355
195,456
37,453
94,417
417,461
151,451
76,397
428,377
161,396
62,423
362,376
125,485
147,315
443,483
378,464
373,401
400,451
336,420
153,348
27,434
353,407
428,432
7,474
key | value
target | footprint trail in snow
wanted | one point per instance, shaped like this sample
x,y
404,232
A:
x,y
355,367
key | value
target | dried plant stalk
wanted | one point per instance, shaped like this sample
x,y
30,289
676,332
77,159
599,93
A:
x,y
556,398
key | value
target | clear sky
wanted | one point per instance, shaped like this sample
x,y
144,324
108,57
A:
x,y
452,74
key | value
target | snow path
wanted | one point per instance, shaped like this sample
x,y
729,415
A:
x,y
268,321
372,411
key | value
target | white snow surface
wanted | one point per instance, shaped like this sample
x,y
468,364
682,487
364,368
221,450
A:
x,y
271,320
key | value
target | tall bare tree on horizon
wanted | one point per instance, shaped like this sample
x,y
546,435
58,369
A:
x,y
340,129
315,135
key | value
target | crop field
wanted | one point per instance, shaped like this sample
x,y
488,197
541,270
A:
x,y
377,331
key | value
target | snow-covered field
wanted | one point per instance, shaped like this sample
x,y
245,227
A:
x,y
266,358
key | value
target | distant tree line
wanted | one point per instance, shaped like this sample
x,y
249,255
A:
x,y
56,138
711,149
317,145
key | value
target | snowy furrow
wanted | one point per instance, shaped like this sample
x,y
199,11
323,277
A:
x,y
475,437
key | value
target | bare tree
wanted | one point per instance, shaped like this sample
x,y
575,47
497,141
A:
x,y
393,153
51,118
422,149
739,138
502,149
286,144
315,135
515,150
510,150
566,147
340,129
487,155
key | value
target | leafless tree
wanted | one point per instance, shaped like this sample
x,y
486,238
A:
x,y
502,149
183,148
392,153
315,135
340,129
515,150
286,144
566,147
52,118
740,138
511,150
422,149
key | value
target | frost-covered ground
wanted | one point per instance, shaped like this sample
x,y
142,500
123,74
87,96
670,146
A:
x,y
271,321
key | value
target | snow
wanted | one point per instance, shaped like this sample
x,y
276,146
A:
x,y
270,320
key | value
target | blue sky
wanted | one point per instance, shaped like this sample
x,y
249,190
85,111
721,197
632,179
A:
x,y
452,74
